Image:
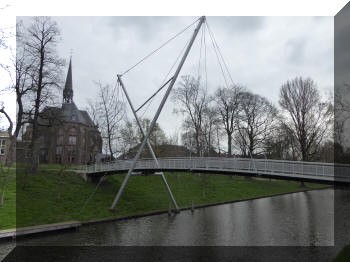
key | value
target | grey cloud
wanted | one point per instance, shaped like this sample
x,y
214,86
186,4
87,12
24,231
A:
x,y
238,24
296,51
146,26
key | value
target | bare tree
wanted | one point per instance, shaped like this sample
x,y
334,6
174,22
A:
x,y
157,136
110,111
307,118
174,138
188,140
129,136
192,101
92,109
218,134
210,121
280,144
132,136
228,105
254,123
19,70
40,40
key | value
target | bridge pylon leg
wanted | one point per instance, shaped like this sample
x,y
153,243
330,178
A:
x,y
177,210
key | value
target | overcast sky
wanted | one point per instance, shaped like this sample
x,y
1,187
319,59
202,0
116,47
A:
x,y
261,54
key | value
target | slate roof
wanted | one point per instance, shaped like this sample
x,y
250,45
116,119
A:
x,y
68,113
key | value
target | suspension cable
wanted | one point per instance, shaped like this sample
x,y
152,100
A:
x,y
93,192
217,55
205,61
175,62
223,60
200,55
160,47
171,78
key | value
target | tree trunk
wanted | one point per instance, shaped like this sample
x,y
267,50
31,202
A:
x,y
229,144
35,157
110,147
198,146
304,158
35,132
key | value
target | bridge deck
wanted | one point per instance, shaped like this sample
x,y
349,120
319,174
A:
x,y
265,167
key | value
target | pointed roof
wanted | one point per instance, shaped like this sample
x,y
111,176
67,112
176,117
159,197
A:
x,y
68,88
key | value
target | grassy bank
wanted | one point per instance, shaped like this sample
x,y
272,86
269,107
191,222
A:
x,y
53,196
8,210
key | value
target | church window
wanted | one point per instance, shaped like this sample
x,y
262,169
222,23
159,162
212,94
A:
x,y
59,150
72,139
60,136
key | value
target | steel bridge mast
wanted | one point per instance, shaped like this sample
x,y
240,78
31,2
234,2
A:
x,y
145,140
148,143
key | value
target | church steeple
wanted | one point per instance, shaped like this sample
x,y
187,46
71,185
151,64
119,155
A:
x,y
68,88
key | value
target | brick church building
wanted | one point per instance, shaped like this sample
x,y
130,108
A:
x,y
68,135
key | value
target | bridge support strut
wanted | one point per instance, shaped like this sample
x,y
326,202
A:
x,y
148,144
155,118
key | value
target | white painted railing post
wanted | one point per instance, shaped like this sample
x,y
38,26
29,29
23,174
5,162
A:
x,y
302,168
323,170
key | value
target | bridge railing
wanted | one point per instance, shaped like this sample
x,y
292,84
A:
x,y
247,165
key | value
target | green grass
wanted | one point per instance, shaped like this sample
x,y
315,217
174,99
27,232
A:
x,y
8,210
50,197
344,255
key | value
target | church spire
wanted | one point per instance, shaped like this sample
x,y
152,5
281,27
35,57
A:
x,y
68,88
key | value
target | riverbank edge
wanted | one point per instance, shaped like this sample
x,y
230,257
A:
x,y
157,212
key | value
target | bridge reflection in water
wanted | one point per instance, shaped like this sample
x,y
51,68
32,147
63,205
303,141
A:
x,y
281,169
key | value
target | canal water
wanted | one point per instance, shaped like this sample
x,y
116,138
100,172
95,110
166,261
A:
x,y
297,219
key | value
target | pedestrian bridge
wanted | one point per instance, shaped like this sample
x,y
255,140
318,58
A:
x,y
279,169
